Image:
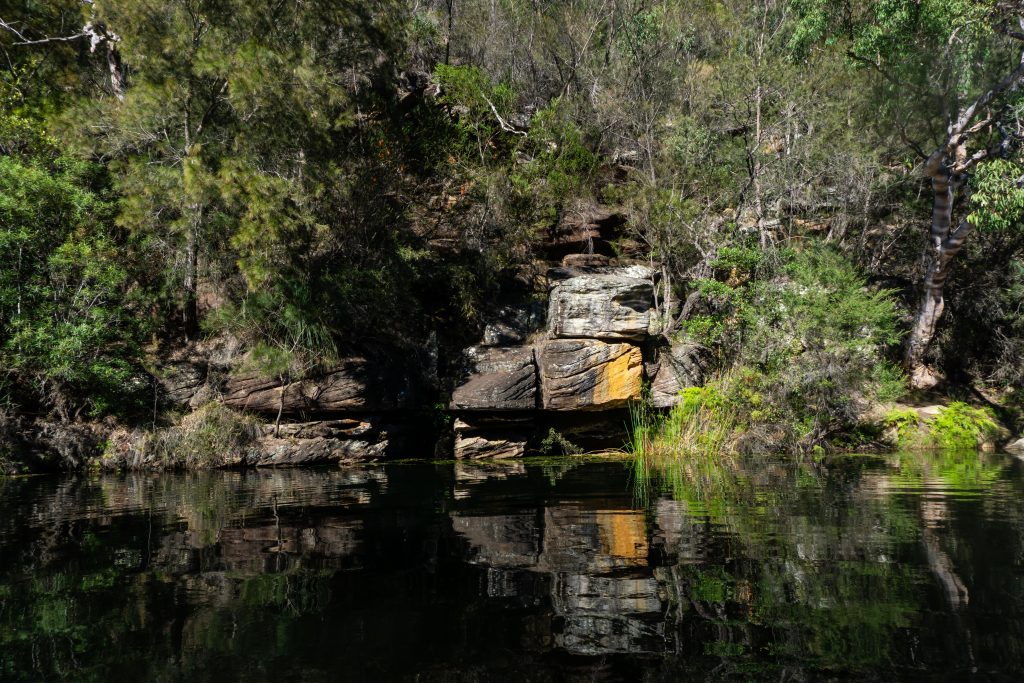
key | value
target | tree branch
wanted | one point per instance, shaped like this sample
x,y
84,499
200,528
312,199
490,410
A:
x,y
501,122
1008,84
22,40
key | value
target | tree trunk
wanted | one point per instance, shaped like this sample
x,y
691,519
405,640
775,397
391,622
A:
x,y
943,248
116,70
191,304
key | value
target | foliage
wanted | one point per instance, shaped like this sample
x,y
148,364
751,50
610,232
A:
x,y
687,447
960,426
809,336
212,436
997,199
68,340
554,443
906,422
342,178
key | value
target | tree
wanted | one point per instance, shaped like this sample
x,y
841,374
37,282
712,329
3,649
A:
x,y
68,337
947,76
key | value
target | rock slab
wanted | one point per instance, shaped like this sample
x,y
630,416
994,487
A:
x,y
353,386
583,374
677,367
602,306
499,379
491,438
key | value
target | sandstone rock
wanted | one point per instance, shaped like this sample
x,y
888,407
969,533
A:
x,y
585,261
284,452
492,438
499,379
590,230
676,368
604,306
513,325
1016,448
324,429
580,374
353,386
180,380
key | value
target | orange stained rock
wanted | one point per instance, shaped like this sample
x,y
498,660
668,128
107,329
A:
x,y
622,379
623,534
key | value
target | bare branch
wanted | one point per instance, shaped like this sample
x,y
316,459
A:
x,y
22,40
501,122
1008,84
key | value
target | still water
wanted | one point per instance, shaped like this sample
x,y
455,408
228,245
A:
x,y
860,568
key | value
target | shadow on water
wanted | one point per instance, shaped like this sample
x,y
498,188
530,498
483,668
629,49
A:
x,y
907,565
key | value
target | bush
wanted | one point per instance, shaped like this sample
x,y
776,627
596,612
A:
x,y
212,436
68,341
808,340
959,426
554,443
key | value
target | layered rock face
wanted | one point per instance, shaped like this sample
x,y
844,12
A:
x,y
527,376
612,306
585,374
499,379
354,385
589,360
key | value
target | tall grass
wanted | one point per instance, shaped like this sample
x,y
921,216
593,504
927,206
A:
x,y
688,450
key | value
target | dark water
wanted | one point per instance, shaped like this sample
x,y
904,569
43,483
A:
x,y
881,568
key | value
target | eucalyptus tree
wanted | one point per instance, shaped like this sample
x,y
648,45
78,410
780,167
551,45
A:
x,y
948,75
226,124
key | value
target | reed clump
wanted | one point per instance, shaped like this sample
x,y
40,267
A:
x,y
689,447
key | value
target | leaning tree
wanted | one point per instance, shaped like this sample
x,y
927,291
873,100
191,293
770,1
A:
x,y
948,75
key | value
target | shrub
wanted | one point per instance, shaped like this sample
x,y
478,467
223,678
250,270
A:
x,y
556,444
809,339
212,436
959,426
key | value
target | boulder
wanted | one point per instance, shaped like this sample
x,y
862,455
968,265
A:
x,y
353,386
491,438
602,306
583,374
1016,447
513,325
499,379
677,367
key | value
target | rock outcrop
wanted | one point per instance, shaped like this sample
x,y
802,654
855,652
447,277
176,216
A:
x,y
1016,447
500,379
353,386
591,230
677,367
514,325
598,319
606,306
586,374
492,438
180,381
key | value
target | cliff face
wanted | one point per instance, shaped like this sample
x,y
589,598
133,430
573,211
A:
x,y
562,355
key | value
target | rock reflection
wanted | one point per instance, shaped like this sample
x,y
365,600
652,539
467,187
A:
x,y
864,567
603,596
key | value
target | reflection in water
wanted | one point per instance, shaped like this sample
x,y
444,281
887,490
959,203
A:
x,y
865,567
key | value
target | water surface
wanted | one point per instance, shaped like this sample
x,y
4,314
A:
x,y
894,567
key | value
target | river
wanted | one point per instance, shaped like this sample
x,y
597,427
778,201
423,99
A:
x,y
898,566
